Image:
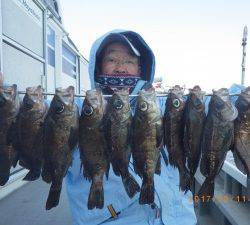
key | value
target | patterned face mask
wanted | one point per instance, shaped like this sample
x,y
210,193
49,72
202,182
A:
x,y
109,83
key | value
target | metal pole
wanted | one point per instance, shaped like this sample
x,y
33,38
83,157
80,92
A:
x,y
1,38
45,74
79,95
243,64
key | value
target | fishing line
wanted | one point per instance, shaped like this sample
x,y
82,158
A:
x,y
159,199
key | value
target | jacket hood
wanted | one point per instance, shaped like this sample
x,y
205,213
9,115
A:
x,y
147,57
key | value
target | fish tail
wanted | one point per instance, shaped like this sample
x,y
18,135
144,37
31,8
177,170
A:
x,y
131,186
207,188
4,179
54,196
116,168
147,192
185,181
32,175
96,195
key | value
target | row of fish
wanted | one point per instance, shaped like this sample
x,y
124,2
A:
x,y
107,133
38,136
192,137
206,139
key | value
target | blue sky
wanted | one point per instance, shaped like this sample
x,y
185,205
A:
x,y
195,42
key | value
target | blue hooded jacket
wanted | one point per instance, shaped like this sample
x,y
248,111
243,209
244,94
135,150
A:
x,y
175,207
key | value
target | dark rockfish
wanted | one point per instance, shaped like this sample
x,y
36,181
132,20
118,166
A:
x,y
119,119
147,142
217,138
241,148
9,106
174,132
28,132
93,146
60,131
194,117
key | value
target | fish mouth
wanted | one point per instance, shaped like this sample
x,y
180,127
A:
x,y
117,104
177,92
197,103
222,93
29,104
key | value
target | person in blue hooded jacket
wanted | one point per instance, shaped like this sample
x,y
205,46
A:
x,y
123,59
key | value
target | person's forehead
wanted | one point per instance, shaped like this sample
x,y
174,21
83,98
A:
x,y
117,47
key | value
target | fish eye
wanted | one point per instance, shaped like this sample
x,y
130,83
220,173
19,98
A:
x,y
176,103
88,110
143,106
60,108
118,104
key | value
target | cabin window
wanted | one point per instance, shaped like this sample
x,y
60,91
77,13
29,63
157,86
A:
x,y
51,46
69,61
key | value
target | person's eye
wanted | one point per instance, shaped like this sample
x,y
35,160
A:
x,y
110,60
130,62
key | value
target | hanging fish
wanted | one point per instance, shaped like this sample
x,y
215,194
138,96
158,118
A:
x,y
28,132
9,106
174,132
93,146
241,150
194,118
217,138
118,130
60,137
147,142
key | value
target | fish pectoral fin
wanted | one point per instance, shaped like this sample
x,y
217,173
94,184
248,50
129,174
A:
x,y
158,166
137,167
10,135
73,138
85,168
116,168
15,160
185,181
107,171
46,173
32,175
159,135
